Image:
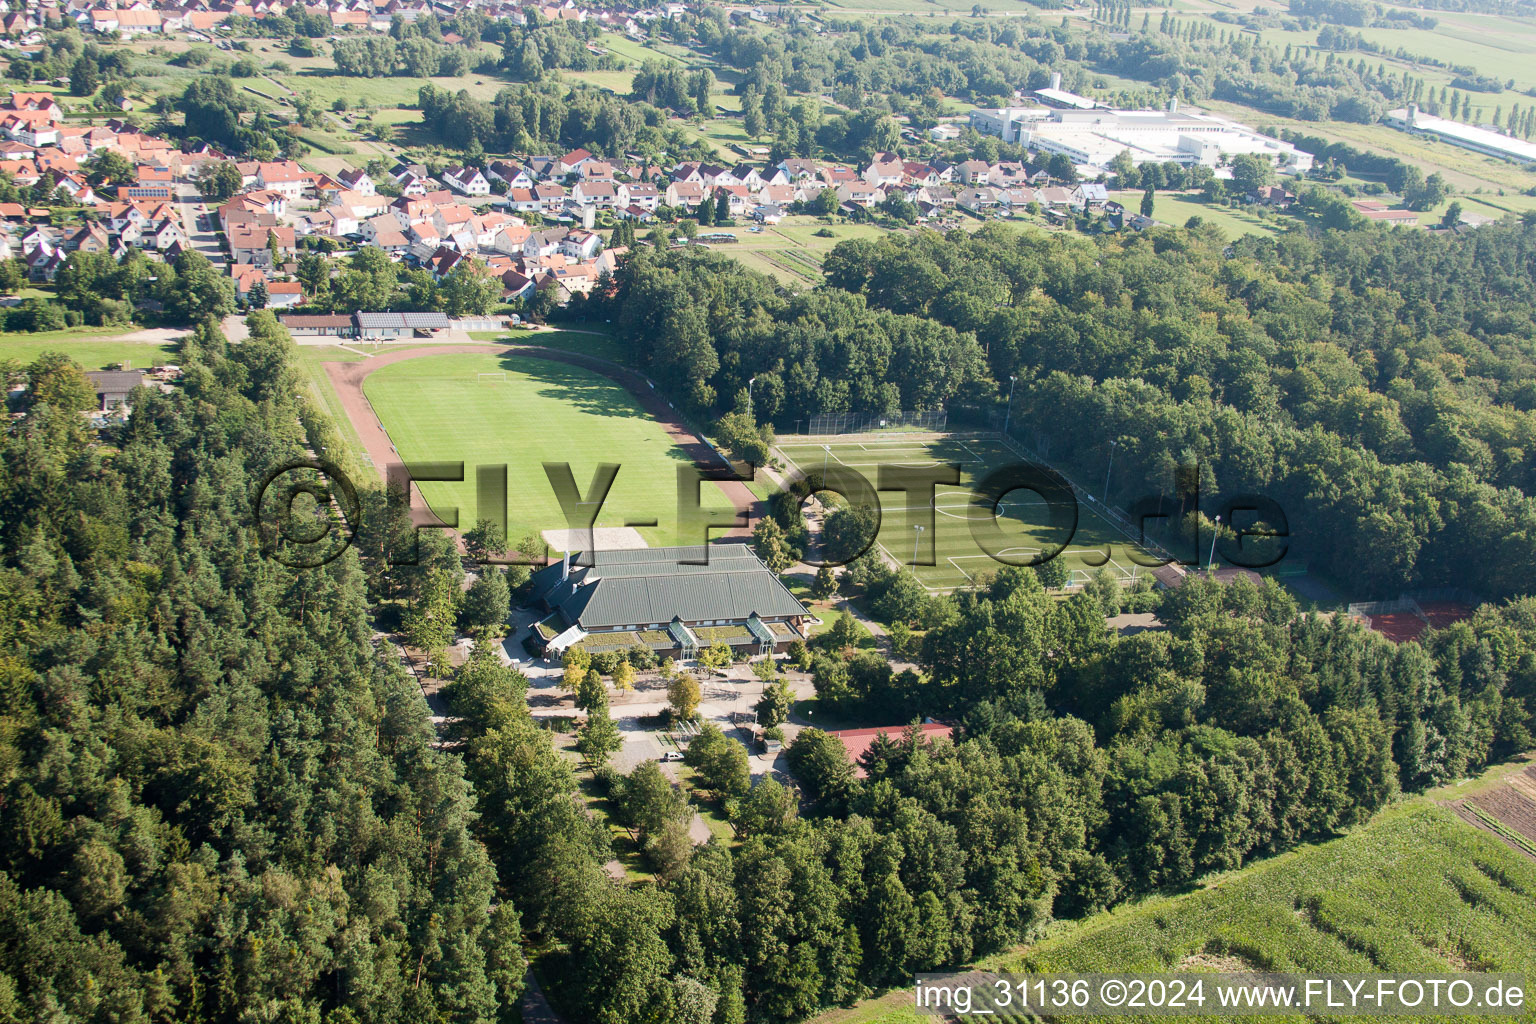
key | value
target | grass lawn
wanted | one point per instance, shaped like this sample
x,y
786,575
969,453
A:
x,y
92,353
791,251
958,558
601,345
436,408
726,134
630,49
310,363
396,91
617,82
1176,208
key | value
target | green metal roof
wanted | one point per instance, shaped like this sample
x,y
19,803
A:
x,y
756,627
634,587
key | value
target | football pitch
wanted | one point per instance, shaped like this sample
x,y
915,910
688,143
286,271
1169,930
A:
x,y
958,559
490,409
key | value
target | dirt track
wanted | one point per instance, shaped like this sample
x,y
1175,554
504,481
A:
x,y
348,379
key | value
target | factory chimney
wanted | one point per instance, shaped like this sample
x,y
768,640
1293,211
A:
x,y
1055,79
1173,105
1413,113
565,565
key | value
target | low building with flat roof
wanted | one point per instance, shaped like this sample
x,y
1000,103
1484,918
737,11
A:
x,y
1480,140
1093,137
373,326
664,599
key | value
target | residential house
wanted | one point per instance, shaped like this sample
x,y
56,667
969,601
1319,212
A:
x,y
355,180
284,294
467,180
572,161
1091,196
973,172
509,174
883,174
646,197
684,194
602,194
282,176
581,245
250,245
860,193
88,237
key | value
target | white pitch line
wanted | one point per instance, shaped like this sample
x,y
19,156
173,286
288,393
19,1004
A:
x,y
968,577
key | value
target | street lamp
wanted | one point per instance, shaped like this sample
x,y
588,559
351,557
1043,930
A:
x,y
1109,470
750,382
1008,415
915,542
1212,556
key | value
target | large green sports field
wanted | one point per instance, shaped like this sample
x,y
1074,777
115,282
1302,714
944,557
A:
x,y
489,409
958,559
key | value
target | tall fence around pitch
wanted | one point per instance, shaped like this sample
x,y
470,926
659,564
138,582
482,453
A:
x,y
1409,602
832,423
1110,514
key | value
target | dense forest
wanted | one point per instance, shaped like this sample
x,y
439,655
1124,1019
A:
x,y
1380,386
219,802
222,800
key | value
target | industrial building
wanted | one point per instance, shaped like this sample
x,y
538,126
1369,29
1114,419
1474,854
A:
x,y
1092,138
1480,140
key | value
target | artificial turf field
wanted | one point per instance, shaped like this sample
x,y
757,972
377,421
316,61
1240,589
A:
x,y
957,557
438,409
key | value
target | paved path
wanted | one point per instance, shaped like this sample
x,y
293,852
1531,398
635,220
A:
x,y
348,380
536,1009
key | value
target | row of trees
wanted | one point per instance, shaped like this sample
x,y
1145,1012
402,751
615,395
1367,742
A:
x,y
95,289
417,57
525,118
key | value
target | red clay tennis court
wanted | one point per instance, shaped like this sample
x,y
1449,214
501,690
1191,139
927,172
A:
x,y
1398,627
1403,626
1443,613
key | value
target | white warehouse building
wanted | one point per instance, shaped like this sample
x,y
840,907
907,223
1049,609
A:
x,y
1093,138
1479,140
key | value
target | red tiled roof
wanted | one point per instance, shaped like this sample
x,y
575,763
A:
x,y
857,741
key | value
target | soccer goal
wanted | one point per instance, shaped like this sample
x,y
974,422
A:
x,y
494,376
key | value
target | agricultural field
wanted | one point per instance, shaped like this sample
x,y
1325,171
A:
x,y
525,413
1414,891
1022,518
1506,807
